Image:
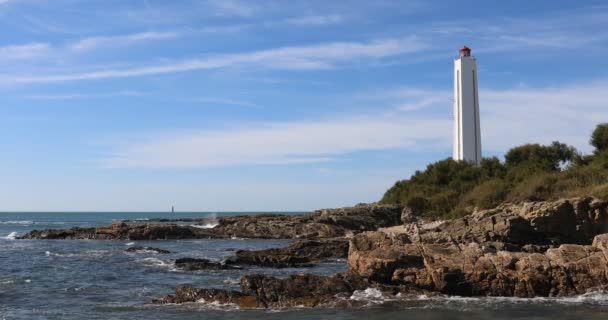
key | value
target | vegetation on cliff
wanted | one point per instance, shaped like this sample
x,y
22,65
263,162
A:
x,y
450,189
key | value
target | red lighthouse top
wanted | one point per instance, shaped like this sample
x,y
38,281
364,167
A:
x,y
465,51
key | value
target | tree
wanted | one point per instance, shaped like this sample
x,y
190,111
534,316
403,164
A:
x,y
546,158
599,137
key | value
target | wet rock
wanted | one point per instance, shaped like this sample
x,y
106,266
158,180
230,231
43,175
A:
x,y
194,264
262,291
301,253
185,294
123,231
140,249
471,270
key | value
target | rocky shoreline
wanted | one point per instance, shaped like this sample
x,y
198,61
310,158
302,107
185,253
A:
x,y
531,249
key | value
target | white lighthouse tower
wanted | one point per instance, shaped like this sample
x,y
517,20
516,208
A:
x,y
467,135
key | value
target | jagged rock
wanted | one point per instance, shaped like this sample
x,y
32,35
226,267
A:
x,y
140,249
575,220
262,291
511,227
185,294
407,216
300,253
470,269
194,264
276,226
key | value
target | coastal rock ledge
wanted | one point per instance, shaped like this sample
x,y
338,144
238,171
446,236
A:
x,y
475,270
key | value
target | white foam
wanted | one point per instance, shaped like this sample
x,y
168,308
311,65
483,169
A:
x,y
597,297
130,244
371,296
155,262
18,222
88,253
11,236
204,226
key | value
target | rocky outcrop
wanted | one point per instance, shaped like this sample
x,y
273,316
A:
x,y
140,249
530,226
123,231
471,269
300,253
322,224
195,264
261,291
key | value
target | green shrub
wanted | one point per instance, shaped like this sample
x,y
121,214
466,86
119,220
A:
x,y
449,188
487,195
599,137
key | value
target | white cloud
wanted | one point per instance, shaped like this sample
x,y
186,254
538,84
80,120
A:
x,y
316,20
232,8
24,51
72,96
277,143
120,40
516,116
510,117
308,57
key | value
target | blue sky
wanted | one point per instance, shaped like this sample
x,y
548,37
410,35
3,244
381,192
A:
x,y
275,105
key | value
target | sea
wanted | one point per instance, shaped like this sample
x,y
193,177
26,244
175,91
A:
x,y
91,279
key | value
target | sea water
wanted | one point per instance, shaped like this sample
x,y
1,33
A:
x,y
91,279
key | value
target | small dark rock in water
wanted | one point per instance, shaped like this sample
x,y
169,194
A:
x,y
193,264
301,253
140,249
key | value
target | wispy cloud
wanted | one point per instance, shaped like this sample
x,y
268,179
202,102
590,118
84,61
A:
x,y
233,7
275,143
223,101
72,96
119,40
320,56
319,20
509,117
24,51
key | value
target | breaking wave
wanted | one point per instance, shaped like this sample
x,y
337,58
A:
x,y
11,236
18,222
157,263
88,253
204,226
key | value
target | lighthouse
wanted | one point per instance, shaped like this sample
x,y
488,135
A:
x,y
467,135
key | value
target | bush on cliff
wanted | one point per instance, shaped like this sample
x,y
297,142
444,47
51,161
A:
x,y
451,189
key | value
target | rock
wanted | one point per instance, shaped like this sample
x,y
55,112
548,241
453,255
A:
x,y
322,224
301,253
472,270
537,225
194,264
575,220
185,294
123,231
262,291
407,216
276,226
140,249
